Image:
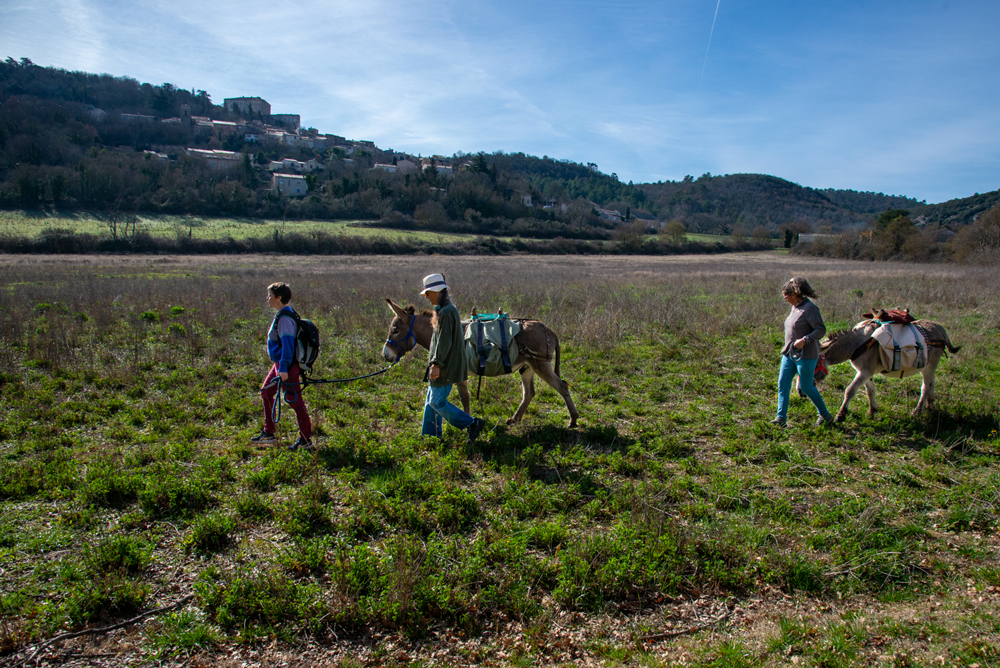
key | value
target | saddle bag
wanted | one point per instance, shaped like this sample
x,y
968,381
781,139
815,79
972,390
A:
x,y
902,348
490,344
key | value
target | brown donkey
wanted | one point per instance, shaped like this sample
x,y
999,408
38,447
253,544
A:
x,y
858,346
538,348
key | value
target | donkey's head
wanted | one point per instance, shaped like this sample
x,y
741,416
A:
x,y
841,346
400,339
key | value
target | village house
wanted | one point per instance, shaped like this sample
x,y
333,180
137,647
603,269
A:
x,y
289,164
137,118
289,185
226,128
217,159
552,203
392,169
290,122
440,163
247,105
610,214
309,141
406,166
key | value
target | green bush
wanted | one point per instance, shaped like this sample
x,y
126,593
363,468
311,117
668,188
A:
x,y
168,493
211,532
127,554
266,599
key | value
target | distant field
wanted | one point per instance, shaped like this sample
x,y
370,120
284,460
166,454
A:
x,y
20,223
25,224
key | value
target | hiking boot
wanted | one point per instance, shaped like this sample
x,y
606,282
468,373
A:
x,y
824,421
303,443
263,438
780,422
475,429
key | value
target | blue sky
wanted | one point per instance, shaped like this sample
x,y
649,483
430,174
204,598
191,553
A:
x,y
894,97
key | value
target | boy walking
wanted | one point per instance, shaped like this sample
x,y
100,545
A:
x,y
281,351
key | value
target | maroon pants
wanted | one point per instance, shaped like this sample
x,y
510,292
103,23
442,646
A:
x,y
291,392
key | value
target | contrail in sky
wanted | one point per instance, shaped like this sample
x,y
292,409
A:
x,y
711,32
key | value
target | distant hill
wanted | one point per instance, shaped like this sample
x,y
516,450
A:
x,y
956,212
868,202
74,140
717,204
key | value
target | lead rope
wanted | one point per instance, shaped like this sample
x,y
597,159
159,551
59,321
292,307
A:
x,y
303,384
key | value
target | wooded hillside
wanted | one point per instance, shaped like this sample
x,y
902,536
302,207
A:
x,y
67,142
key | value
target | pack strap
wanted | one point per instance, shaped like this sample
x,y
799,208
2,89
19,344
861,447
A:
x,y
503,349
481,369
921,360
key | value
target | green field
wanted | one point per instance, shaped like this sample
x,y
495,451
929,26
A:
x,y
20,223
25,224
674,526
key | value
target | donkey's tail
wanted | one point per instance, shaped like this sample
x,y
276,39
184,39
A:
x,y
947,342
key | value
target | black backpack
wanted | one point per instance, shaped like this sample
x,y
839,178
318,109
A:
x,y
306,341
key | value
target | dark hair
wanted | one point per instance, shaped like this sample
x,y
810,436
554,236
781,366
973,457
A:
x,y
799,287
281,291
442,302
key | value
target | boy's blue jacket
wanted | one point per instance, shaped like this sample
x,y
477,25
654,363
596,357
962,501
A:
x,y
281,339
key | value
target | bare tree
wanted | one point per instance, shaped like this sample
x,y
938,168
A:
x,y
123,217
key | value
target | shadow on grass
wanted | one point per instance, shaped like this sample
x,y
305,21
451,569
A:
x,y
935,427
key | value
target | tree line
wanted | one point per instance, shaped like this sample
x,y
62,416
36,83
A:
x,y
895,236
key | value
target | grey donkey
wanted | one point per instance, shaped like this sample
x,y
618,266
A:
x,y
858,346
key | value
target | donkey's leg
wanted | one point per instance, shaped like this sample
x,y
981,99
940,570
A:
x,y
463,393
527,392
870,391
926,387
852,389
559,385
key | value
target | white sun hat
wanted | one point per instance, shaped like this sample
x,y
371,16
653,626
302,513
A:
x,y
434,283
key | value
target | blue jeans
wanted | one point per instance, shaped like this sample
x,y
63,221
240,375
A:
x,y
805,370
437,407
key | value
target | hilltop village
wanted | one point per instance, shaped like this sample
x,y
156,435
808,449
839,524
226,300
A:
x,y
261,127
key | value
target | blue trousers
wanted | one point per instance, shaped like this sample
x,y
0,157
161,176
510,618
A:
x,y
805,369
438,408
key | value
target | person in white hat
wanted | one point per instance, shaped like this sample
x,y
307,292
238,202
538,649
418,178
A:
x,y
447,364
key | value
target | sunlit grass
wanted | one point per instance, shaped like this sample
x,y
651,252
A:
x,y
128,392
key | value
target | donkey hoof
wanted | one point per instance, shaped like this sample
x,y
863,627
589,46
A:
x,y
840,417
511,420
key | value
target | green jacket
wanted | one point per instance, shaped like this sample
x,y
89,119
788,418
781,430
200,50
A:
x,y
448,347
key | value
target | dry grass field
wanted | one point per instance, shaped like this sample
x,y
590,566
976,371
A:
x,y
674,526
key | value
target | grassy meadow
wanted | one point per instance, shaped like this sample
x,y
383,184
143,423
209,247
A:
x,y
30,225
674,526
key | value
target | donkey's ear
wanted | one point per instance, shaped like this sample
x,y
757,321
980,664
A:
x,y
411,309
395,308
